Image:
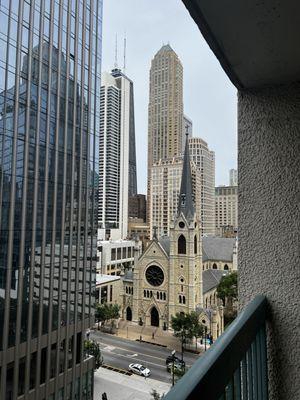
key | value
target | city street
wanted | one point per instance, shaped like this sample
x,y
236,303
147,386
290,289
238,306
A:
x,y
121,387
119,353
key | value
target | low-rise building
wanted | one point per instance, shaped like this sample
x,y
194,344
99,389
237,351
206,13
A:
x,y
108,289
115,256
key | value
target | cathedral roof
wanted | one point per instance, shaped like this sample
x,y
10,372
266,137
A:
x,y
164,241
217,249
186,200
211,279
128,276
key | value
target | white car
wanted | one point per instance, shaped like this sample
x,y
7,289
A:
x,y
139,369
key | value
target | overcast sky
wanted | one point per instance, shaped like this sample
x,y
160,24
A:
x,y
209,97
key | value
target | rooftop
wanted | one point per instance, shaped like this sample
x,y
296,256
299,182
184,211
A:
x,y
102,278
217,249
211,279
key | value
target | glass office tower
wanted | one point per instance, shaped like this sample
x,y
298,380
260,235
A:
x,y
50,60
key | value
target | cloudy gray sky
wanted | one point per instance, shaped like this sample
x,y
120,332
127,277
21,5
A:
x,y
209,97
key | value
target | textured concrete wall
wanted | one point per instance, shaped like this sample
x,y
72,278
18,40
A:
x,y
269,223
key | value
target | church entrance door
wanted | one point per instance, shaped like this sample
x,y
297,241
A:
x,y
128,314
154,317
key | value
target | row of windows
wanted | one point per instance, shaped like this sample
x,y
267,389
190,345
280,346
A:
x,y
129,289
159,295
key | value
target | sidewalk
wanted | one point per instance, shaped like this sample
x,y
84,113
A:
x,y
135,332
131,331
122,387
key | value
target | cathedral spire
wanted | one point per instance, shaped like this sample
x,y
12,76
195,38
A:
x,y
186,201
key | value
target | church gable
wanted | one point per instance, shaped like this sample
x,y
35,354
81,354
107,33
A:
x,y
154,251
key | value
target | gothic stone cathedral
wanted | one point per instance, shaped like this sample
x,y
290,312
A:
x,y
167,278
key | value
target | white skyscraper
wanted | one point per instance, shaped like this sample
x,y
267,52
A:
x,y
117,174
205,162
226,210
164,193
233,177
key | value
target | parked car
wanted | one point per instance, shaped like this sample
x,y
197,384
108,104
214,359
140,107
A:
x,y
169,360
178,366
139,369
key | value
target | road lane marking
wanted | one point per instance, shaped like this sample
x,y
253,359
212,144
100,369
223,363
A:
x,y
141,361
103,338
122,348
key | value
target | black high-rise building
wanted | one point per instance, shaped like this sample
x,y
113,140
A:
x,y
49,125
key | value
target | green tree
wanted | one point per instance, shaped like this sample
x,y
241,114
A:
x,y
227,292
105,312
101,313
179,373
114,313
227,288
195,326
92,348
180,323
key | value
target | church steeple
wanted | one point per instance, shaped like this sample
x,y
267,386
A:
x,y
186,198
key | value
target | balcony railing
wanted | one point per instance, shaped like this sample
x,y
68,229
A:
x,y
235,367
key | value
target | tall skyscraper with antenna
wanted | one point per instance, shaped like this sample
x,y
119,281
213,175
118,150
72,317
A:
x,y
117,154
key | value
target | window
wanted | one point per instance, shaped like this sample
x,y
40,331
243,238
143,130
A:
x,y
226,267
180,299
181,245
215,266
183,299
195,244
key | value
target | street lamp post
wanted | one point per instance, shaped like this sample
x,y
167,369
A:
x,y
173,361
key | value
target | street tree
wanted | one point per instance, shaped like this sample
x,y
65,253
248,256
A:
x,y
180,323
105,312
228,293
196,327
92,348
179,373
227,288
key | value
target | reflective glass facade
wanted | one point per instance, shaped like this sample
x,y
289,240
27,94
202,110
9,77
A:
x,y
50,65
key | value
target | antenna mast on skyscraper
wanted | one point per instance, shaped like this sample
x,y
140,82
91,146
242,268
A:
x,y
116,52
124,57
